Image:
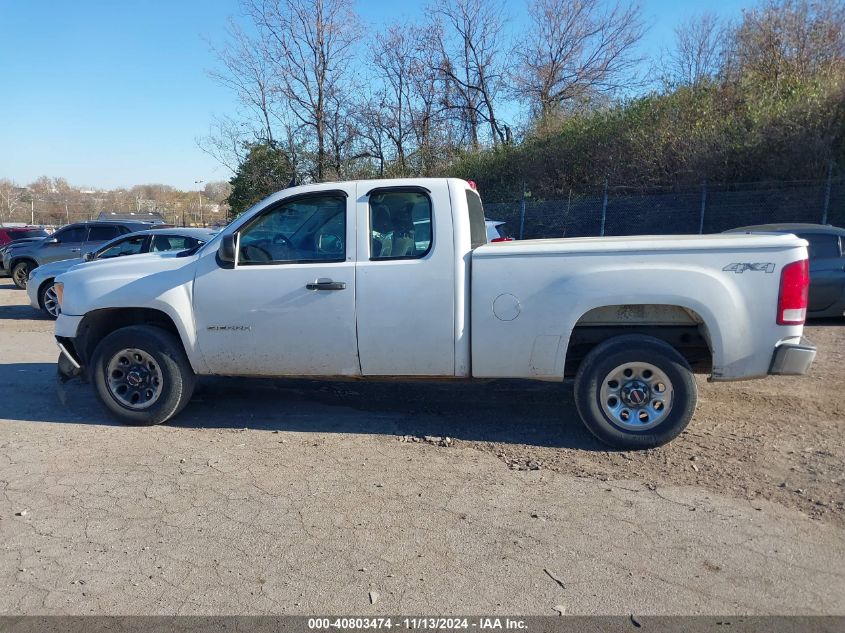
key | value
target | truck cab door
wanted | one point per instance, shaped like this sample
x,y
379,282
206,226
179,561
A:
x,y
405,288
286,306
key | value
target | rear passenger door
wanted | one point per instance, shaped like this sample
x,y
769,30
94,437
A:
x,y
405,281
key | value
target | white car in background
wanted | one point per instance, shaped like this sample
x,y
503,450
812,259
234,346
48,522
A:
x,y
496,231
42,296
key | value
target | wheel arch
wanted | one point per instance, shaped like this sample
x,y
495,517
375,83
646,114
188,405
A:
x,y
41,288
98,324
691,329
22,258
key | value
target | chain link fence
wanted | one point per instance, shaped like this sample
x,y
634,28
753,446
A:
x,y
707,208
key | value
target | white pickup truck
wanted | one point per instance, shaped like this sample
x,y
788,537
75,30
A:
x,y
394,278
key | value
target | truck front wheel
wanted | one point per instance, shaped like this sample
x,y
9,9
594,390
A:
x,y
635,392
142,375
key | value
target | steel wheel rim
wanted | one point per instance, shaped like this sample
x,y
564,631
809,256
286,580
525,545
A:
x,y
21,274
51,301
133,378
636,396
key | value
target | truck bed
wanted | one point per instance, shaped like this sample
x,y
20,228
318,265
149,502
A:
x,y
639,243
530,296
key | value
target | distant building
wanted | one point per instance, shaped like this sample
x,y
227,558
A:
x,y
144,216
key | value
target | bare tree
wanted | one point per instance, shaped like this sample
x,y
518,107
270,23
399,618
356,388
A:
x,y
11,196
227,141
393,58
470,39
785,39
429,109
372,126
248,70
310,44
697,55
575,49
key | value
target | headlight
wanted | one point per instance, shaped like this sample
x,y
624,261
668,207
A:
x,y
59,289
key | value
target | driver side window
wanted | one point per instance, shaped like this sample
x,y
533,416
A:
x,y
311,229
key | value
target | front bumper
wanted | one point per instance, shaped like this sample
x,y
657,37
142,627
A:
x,y
793,358
69,363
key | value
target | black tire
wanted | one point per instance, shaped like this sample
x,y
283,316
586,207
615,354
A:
x,y
176,376
20,273
42,299
634,348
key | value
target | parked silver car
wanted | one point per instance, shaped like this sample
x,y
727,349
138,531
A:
x,y
39,286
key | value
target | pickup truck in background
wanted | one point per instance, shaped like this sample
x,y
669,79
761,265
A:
x,y
333,280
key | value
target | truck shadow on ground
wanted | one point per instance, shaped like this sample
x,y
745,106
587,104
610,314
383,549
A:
x,y
507,411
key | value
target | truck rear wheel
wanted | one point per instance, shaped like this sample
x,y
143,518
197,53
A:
x,y
635,392
142,375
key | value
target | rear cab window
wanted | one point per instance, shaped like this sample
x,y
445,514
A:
x,y
477,225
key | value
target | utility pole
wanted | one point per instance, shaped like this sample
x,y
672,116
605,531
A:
x,y
603,208
827,192
522,212
199,194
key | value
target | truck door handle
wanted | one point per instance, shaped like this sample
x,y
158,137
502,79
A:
x,y
75,250
326,284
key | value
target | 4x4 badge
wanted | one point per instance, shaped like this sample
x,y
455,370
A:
x,y
757,267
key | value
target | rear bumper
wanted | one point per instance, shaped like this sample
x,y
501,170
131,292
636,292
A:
x,y
793,358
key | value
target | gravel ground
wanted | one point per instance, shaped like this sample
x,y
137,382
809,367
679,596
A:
x,y
272,496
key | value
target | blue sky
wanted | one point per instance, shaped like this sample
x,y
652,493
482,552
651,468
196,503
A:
x,y
108,94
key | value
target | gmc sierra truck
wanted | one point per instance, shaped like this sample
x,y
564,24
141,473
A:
x,y
395,278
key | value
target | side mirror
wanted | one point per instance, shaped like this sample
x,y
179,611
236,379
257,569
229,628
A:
x,y
88,257
228,251
52,240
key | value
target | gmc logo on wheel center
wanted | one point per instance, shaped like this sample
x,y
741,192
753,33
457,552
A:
x,y
758,267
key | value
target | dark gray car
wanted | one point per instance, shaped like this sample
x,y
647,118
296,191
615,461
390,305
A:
x,y
827,264
67,243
